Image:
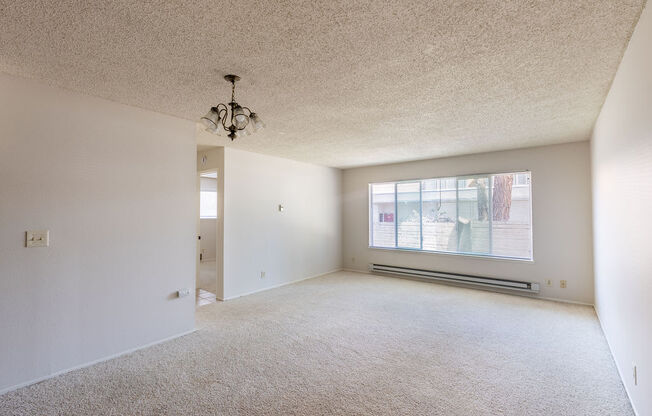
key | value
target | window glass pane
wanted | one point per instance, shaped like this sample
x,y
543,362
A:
x,y
207,204
382,215
473,231
512,225
439,212
486,215
409,214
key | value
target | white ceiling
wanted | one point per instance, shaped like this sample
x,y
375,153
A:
x,y
339,83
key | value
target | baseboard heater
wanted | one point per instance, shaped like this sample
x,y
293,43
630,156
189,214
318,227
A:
x,y
530,287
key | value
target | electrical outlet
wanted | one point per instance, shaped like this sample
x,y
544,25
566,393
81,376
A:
x,y
182,293
562,284
262,275
39,238
635,376
549,282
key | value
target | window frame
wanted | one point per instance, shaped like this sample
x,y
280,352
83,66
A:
x,y
451,253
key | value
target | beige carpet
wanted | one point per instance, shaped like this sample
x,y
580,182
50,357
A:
x,y
356,344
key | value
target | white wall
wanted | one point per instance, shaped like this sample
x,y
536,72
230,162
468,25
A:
x,y
116,187
622,191
302,241
561,210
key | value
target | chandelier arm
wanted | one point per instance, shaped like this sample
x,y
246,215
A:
x,y
247,108
223,112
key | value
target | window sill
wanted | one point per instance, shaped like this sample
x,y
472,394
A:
x,y
446,253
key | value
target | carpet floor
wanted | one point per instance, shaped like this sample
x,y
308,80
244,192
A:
x,y
355,344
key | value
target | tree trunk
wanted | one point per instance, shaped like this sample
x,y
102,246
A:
x,y
502,197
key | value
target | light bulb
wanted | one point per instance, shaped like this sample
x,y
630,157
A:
x,y
257,122
216,130
211,119
250,128
240,119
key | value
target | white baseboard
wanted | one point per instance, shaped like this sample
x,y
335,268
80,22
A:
x,y
280,285
620,373
574,302
90,363
344,269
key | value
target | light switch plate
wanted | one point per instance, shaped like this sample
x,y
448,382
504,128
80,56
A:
x,y
39,238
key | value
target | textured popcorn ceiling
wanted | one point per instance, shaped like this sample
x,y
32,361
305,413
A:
x,y
339,83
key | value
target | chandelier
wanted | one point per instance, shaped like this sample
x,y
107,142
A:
x,y
240,121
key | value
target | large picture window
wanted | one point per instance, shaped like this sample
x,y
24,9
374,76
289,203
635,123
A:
x,y
484,215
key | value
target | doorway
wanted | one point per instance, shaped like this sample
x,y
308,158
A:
x,y
206,287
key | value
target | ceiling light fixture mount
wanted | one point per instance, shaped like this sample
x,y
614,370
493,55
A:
x,y
237,122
